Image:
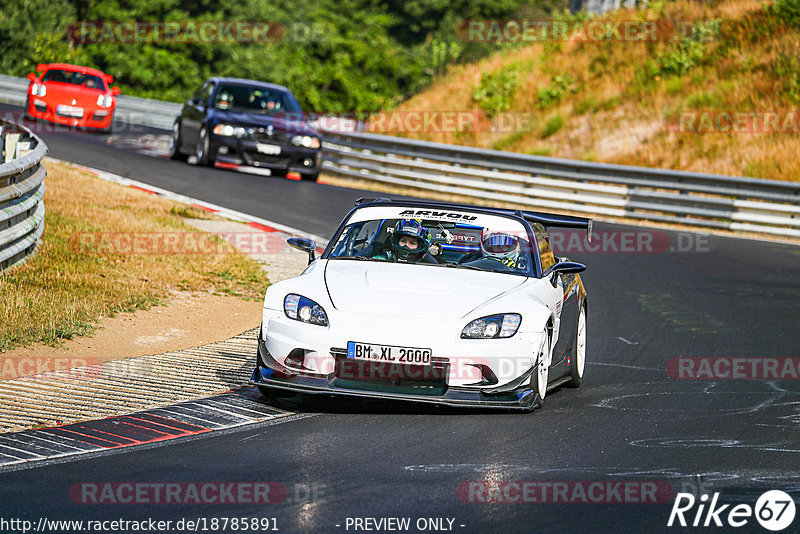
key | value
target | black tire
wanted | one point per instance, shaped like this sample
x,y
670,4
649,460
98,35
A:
x,y
175,144
202,152
110,129
535,383
27,114
577,368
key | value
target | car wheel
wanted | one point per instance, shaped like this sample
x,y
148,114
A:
x,y
576,370
175,143
110,128
541,373
203,149
27,113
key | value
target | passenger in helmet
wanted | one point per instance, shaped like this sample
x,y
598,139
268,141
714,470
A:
x,y
497,247
501,247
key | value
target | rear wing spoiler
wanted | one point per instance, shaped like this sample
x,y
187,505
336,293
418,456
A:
x,y
550,220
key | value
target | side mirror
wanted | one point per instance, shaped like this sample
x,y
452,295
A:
x,y
198,102
31,77
115,91
304,244
566,267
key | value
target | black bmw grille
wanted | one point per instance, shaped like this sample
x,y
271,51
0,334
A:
x,y
275,138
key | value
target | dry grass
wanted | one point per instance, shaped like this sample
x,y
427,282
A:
x,y
69,284
620,108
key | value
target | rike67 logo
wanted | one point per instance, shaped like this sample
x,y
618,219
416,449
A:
x,y
774,510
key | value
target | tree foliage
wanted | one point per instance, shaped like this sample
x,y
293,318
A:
x,y
335,55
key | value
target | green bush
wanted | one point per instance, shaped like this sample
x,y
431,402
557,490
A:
x,y
689,52
495,91
552,94
554,124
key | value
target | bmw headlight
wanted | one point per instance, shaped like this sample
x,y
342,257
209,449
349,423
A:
x,y
302,309
307,141
229,130
492,326
104,101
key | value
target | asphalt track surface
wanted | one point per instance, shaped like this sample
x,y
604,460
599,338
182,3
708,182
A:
x,y
724,297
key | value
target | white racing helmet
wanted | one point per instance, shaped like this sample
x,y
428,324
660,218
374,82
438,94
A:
x,y
501,246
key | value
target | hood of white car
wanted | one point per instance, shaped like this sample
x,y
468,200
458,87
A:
x,y
425,291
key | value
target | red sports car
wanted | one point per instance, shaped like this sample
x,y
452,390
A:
x,y
72,95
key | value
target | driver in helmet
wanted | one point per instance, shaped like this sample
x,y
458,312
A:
x,y
409,243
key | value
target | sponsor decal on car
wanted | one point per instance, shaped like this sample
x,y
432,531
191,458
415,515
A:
x,y
433,214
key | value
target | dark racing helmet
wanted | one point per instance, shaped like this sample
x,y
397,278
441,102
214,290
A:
x,y
406,231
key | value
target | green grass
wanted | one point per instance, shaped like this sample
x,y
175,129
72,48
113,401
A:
x,y
73,280
553,125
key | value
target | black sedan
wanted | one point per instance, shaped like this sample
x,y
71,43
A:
x,y
249,125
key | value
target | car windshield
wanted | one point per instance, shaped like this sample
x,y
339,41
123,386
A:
x,y
444,238
254,99
74,78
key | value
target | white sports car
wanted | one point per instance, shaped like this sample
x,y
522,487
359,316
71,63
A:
x,y
429,302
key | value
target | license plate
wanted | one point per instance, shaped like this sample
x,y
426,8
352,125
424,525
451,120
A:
x,y
69,111
388,353
272,150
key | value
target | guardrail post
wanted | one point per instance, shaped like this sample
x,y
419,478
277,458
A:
x,y
10,147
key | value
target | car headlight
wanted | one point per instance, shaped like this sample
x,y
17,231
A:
x,y
307,141
38,89
104,101
302,309
229,130
492,326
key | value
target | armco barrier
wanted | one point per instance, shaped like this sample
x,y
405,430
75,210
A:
x,y
21,192
618,191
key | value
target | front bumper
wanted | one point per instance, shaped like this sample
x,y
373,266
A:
x,y
238,151
99,118
515,395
